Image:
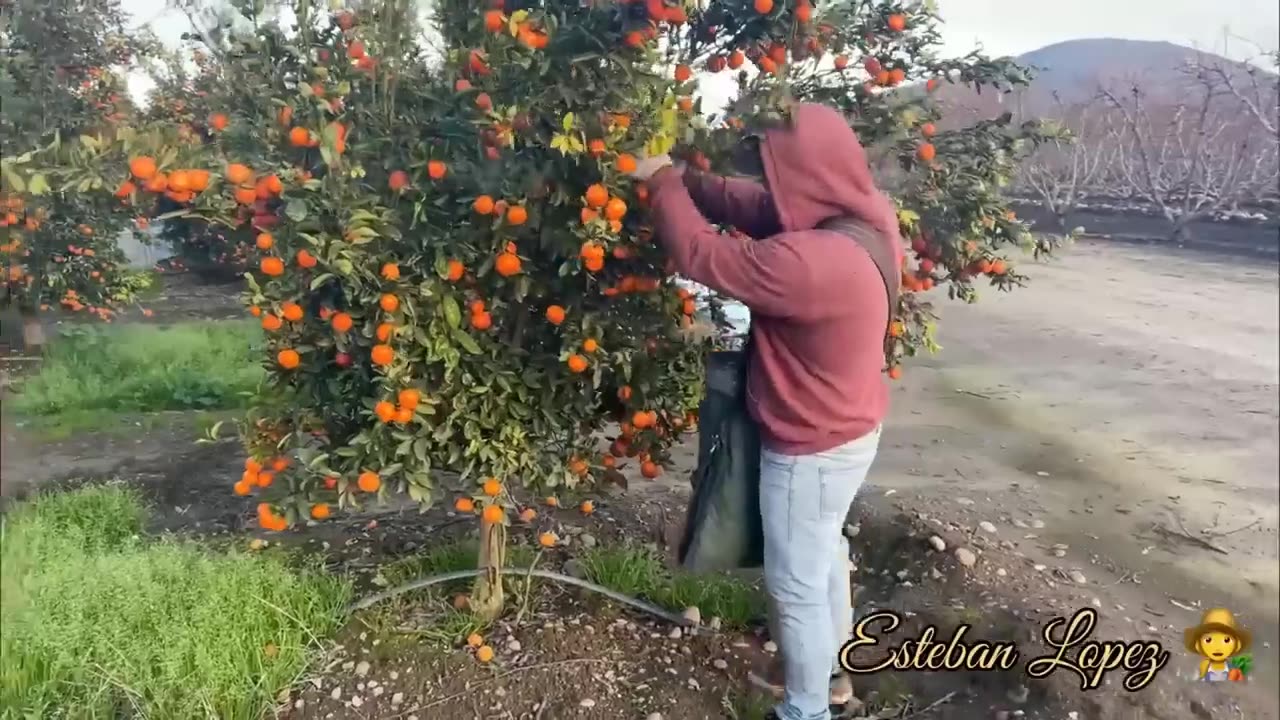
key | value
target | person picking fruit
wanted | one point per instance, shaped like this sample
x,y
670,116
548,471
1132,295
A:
x,y
818,269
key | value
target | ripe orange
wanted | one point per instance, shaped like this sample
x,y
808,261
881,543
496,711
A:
x,y
528,514
265,478
493,514
383,331
494,22
483,205
624,393
143,168
998,267
928,130
455,270
555,314
553,502
476,307
238,174
436,169
356,50
409,398
319,511
218,122
895,372
896,329
481,320
633,39
341,322
587,507
764,7
245,195
272,266
625,163
926,152
804,12
291,311
271,323
547,539
464,504
616,209
507,264
931,85
382,355
242,487
597,195
736,59
484,102
288,359
517,215
306,259
299,137
404,416
650,469
491,487
596,147
285,116
389,303
484,653
390,271
474,640
897,22
842,62
265,241
368,482
398,180
897,76
577,363
385,411
590,345
683,73
768,65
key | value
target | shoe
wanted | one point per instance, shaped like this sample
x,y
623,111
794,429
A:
x,y
772,681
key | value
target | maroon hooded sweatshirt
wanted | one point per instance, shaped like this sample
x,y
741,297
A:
x,y
818,303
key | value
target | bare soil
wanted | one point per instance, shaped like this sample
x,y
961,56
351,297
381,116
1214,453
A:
x,y
1116,422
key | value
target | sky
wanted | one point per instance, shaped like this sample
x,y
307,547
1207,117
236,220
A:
x,y
1239,29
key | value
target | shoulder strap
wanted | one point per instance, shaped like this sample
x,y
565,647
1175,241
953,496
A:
x,y
879,247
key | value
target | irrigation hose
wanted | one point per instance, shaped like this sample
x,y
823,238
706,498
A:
x,y
636,603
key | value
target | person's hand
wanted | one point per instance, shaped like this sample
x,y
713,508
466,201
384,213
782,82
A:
x,y
648,167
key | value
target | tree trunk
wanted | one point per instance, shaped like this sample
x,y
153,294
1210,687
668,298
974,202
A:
x,y
33,338
1060,217
486,595
1181,233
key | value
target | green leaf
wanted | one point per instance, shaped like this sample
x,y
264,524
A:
x,y
466,341
296,210
567,123
14,179
38,185
321,279
452,313
343,266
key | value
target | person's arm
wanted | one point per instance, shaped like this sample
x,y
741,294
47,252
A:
x,y
739,202
768,276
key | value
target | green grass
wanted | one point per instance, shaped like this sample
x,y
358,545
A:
x,y
99,622
144,368
642,573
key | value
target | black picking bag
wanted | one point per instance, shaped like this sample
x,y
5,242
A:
x,y
723,529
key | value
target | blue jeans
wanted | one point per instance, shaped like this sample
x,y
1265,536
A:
x,y
804,500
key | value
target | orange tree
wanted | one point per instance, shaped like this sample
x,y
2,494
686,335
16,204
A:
x,y
58,228
452,267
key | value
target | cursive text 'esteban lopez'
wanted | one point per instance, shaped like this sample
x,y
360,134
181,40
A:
x,y
924,653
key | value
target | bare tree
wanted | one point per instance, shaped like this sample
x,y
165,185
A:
x,y
1256,92
1194,156
1077,164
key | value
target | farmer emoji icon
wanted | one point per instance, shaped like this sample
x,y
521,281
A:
x,y
1221,643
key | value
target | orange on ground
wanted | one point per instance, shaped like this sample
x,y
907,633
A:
x,y
547,539
474,640
484,653
587,507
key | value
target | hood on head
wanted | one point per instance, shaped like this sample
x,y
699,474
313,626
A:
x,y
817,170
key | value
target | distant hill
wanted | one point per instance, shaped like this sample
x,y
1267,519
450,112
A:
x,y
1073,70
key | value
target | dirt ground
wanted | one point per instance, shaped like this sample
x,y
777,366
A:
x,y
1115,426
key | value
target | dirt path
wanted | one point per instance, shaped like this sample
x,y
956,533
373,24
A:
x,y
1126,400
